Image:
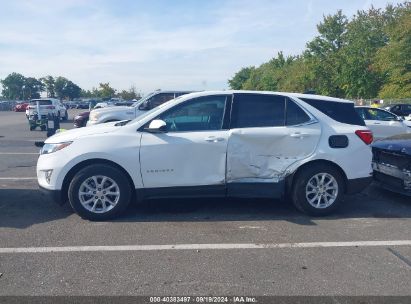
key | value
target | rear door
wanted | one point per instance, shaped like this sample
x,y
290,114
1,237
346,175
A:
x,y
268,134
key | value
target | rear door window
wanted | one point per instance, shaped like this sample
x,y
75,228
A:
x,y
340,111
258,110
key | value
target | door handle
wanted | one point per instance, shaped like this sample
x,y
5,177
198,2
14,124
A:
x,y
299,135
214,139
377,123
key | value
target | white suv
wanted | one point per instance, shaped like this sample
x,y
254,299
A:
x,y
310,149
110,114
44,106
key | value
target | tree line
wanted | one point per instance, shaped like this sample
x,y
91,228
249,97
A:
x,y
366,56
16,86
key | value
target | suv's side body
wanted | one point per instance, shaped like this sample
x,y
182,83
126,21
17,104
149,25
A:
x,y
232,160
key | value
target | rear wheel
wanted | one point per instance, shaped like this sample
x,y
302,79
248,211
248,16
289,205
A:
x,y
318,190
99,192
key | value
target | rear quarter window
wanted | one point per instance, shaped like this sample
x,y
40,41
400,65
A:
x,y
339,111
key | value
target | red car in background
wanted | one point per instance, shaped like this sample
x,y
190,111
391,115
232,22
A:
x,y
21,107
81,119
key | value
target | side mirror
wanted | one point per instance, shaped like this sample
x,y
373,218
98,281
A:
x,y
157,126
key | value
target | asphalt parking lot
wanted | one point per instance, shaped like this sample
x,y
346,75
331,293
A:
x,y
195,246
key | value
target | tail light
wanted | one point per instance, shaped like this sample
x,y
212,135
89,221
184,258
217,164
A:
x,y
50,107
365,135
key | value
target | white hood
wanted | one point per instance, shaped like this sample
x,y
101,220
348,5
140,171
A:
x,y
113,109
72,134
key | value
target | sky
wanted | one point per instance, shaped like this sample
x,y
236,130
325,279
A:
x,y
156,44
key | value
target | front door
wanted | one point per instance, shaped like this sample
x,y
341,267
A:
x,y
193,150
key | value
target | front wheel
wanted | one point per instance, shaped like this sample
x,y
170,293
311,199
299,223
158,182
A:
x,y
99,192
318,190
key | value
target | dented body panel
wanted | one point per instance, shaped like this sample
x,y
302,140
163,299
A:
x,y
264,154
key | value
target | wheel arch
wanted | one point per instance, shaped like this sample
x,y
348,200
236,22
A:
x,y
292,177
95,161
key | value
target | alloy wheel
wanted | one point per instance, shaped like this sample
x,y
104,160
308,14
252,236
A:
x,y
99,194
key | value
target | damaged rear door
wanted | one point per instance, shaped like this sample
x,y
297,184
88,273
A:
x,y
268,134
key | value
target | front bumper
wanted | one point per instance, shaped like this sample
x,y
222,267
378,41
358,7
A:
x,y
392,179
54,196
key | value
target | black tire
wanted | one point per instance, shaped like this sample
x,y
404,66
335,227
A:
x,y
112,173
300,191
32,128
43,128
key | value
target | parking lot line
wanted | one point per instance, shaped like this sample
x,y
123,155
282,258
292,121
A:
x,y
204,246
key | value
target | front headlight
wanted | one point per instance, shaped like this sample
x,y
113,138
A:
x,y
93,116
50,148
